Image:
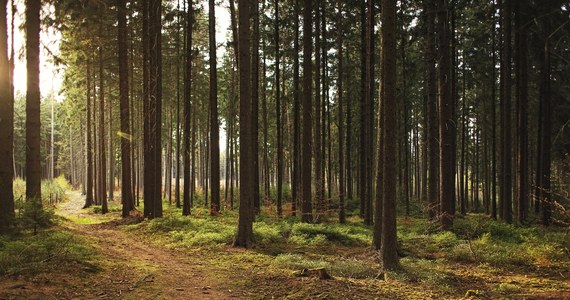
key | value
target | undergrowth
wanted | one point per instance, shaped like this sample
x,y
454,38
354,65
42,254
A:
x,y
49,250
430,258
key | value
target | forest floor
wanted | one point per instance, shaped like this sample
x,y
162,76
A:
x,y
96,256
124,266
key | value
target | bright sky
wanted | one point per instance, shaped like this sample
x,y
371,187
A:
x,y
51,76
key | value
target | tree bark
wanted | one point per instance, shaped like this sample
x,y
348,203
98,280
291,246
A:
x,y
102,161
126,135
341,173
521,60
255,102
446,124
33,124
187,118
307,206
431,93
278,108
296,116
6,127
506,146
244,236
89,144
388,252
214,126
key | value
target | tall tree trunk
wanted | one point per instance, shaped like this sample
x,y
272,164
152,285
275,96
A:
x,y
506,150
187,102
244,234
296,116
126,135
255,102
307,206
111,182
493,118
341,173
463,167
33,124
278,107
89,144
178,136
446,124
102,161
545,195
6,127
214,127
265,165
388,251
364,85
432,118
521,60
152,187
319,158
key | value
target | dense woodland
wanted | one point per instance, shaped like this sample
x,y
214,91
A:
x,y
330,111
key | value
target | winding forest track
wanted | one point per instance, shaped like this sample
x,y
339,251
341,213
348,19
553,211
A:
x,y
134,268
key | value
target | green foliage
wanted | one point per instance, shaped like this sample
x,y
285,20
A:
x,y
318,234
54,191
33,216
270,233
350,268
111,208
38,213
19,191
188,231
423,270
48,250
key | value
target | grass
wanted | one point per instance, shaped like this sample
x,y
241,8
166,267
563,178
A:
x,y
479,257
49,250
442,264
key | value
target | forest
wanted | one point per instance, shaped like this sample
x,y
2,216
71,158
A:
x,y
285,149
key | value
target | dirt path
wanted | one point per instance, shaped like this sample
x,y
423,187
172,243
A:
x,y
134,268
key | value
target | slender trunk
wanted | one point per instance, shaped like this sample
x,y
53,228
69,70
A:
x,y
307,206
177,182
187,102
432,119
89,144
494,120
278,107
521,59
506,150
255,102
266,187
214,127
319,184
102,160
341,212
296,116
